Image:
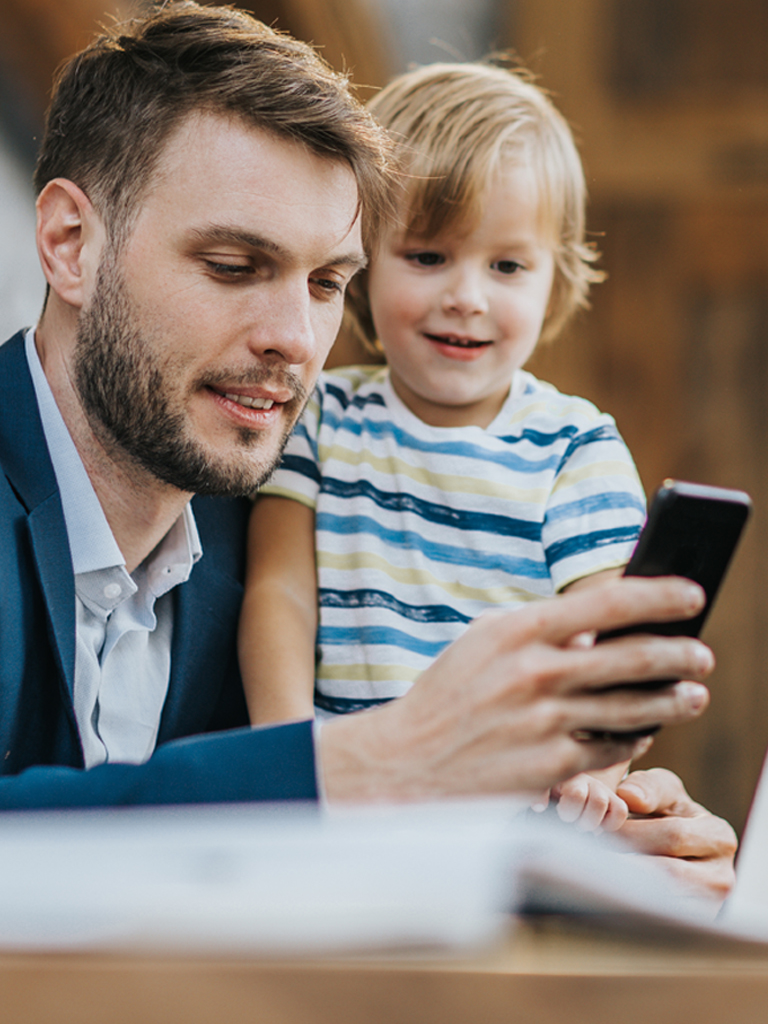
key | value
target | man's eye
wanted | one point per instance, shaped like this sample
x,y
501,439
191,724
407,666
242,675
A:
x,y
425,259
507,266
231,270
327,285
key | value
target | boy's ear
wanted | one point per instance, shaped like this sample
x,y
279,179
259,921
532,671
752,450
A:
x,y
70,236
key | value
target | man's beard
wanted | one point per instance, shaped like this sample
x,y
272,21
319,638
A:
x,y
126,394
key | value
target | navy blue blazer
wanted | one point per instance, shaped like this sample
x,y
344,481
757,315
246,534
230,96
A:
x,y
41,760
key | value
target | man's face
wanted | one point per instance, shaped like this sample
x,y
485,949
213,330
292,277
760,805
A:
x,y
206,332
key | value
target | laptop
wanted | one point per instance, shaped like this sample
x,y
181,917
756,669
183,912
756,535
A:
x,y
747,906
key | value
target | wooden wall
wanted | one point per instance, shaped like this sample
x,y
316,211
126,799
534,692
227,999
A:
x,y
670,99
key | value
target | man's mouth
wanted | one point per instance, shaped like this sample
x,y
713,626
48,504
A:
x,y
248,402
456,341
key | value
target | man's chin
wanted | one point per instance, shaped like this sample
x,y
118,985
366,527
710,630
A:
x,y
216,474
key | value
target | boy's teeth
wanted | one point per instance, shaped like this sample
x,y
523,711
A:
x,y
250,403
461,342
457,342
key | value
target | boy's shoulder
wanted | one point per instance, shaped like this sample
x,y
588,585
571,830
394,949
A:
x,y
532,398
344,384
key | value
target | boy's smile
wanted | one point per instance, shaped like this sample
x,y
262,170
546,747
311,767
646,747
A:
x,y
458,314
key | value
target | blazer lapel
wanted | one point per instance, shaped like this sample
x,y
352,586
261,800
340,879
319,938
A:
x,y
54,571
204,648
28,467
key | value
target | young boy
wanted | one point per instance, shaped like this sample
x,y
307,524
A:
x,y
415,496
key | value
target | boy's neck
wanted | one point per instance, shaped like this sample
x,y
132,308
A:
x,y
476,414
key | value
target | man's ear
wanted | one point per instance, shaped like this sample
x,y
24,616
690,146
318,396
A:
x,y
70,236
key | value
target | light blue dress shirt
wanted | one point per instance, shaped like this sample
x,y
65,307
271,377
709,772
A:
x,y
124,622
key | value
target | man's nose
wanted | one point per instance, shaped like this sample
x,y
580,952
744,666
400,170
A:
x,y
283,326
464,292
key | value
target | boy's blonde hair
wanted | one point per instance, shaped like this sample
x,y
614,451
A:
x,y
452,125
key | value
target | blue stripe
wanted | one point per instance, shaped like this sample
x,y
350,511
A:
x,y
343,705
594,503
379,599
343,398
458,449
538,438
377,636
459,519
305,467
590,541
607,432
445,553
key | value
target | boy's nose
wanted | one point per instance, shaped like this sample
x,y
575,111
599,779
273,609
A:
x,y
464,294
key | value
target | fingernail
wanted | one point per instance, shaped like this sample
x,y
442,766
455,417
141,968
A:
x,y
694,595
643,746
539,808
695,694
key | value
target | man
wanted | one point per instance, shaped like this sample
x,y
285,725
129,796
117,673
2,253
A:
x,y
205,189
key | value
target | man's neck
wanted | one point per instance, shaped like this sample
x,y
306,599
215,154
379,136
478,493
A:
x,y
139,508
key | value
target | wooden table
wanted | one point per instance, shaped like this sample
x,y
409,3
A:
x,y
548,971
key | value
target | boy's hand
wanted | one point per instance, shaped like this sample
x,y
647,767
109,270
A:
x,y
590,804
694,845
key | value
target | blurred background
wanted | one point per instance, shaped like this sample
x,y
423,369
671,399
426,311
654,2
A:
x,y
669,100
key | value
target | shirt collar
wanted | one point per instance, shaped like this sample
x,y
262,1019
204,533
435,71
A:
x,y
91,541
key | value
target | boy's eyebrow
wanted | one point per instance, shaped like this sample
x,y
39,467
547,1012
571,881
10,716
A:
x,y
221,233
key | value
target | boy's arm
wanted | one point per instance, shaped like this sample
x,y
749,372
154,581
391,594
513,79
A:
x,y
278,623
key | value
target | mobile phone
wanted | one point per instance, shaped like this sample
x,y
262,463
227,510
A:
x,y
692,530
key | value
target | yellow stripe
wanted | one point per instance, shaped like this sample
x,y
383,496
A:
x,y
276,491
447,483
601,469
553,408
369,673
419,577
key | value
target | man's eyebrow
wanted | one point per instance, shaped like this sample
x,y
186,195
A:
x,y
221,234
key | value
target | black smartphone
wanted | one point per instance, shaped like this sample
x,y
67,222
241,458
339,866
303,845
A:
x,y
692,530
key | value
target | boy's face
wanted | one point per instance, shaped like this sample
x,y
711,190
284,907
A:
x,y
457,315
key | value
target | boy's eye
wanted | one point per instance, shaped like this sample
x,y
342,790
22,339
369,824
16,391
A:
x,y
507,266
425,258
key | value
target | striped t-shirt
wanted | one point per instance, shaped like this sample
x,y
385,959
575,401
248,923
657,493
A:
x,y
421,528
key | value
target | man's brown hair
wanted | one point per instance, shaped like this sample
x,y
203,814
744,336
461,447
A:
x,y
116,103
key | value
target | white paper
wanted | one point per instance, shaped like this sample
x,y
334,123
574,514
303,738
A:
x,y
293,880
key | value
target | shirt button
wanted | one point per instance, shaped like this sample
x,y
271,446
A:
x,y
112,590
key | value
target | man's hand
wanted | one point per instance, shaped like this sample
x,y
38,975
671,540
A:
x,y
508,706
695,846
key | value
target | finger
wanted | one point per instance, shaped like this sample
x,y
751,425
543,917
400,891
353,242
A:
x,y
595,810
710,878
619,603
705,837
598,753
582,640
638,658
573,799
616,814
540,803
633,713
655,791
